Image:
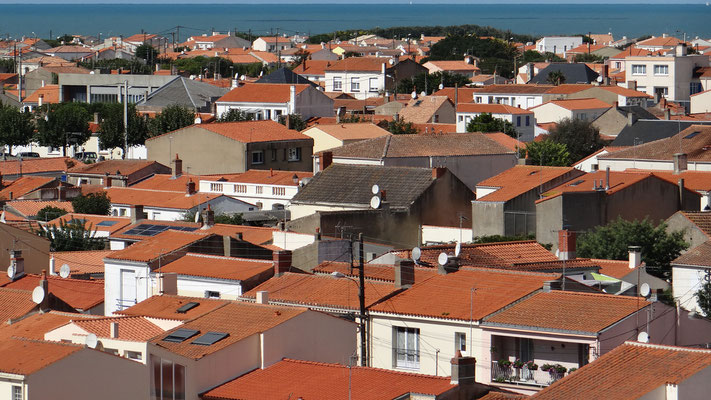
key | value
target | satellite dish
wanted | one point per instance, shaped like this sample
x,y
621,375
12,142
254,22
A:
x,y
416,254
91,341
643,337
375,189
442,259
441,86
11,270
243,77
423,94
391,61
644,290
413,94
197,217
64,271
38,295
375,202
457,249
599,79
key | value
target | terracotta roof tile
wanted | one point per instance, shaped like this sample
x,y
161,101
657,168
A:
x,y
37,165
36,325
694,180
618,181
505,140
165,182
25,357
312,67
522,178
569,88
81,262
493,290
625,92
614,268
350,131
377,272
15,303
458,65
353,64
121,234
321,291
463,95
697,256
126,167
137,329
150,249
586,313
516,88
701,219
490,108
30,208
577,104
50,95
659,41
102,223
158,198
262,93
313,380
498,255
24,185
239,320
80,294
165,306
629,371
231,268
503,396
251,131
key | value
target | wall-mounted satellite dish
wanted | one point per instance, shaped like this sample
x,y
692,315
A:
x,y
441,86
391,61
423,94
11,270
457,249
442,259
64,271
643,337
197,216
38,295
243,77
375,189
416,254
644,290
599,79
413,94
375,202
91,341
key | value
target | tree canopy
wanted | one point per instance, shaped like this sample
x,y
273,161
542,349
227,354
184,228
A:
x,y
580,137
548,153
612,242
49,213
71,236
496,56
147,52
235,115
485,122
63,124
295,122
703,295
400,127
429,83
173,117
92,203
111,131
556,78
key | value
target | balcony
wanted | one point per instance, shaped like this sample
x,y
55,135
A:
x,y
524,376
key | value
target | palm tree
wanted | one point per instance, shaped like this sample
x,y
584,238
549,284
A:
x,y
556,78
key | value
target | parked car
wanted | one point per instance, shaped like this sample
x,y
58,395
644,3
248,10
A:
x,y
28,154
86,156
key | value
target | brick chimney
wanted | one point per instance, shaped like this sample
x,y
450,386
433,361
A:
x,y
680,162
44,284
208,218
566,244
463,370
438,172
635,257
190,188
282,261
18,261
137,213
325,160
262,297
404,273
177,166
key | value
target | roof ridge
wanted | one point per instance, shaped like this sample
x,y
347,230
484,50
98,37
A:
x,y
308,362
667,347
228,258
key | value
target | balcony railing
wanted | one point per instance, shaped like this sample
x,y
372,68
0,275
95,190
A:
x,y
523,375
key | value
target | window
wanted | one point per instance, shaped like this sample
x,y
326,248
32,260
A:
x,y
111,351
274,154
277,114
477,99
355,85
618,64
133,355
406,347
373,84
460,342
257,157
278,191
460,118
337,83
258,189
295,154
167,380
661,70
240,188
524,348
156,215
518,121
16,392
583,116
528,120
122,212
695,87
638,69
215,187
267,114
211,294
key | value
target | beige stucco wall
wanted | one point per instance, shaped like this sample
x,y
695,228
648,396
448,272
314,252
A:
x,y
78,335
550,113
701,103
322,140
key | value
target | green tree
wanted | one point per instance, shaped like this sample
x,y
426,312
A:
x,y
229,219
556,78
401,127
612,241
429,83
63,124
548,153
147,52
580,137
92,203
16,127
235,115
496,56
588,58
111,129
485,122
703,296
71,236
295,122
534,56
172,118
49,213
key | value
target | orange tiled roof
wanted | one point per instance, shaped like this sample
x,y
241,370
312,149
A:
x,y
267,177
492,290
520,179
614,268
157,198
503,396
358,64
377,272
239,320
312,380
630,371
587,313
24,185
137,329
459,65
125,167
698,256
81,262
583,48
50,95
36,325
351,131
37,165
103,223
624,91
25,357
321,291
262,93
506,140
463,94
165,306
584,183
121,233
165,182
659,41
80,294
253,131
231,268
701,219
30,208
569,88
577,104
694,180
498,255
490,108
15,303
312,67
261,236
632,52
152,248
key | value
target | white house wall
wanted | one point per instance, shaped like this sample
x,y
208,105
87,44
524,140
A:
x,y
304,210
363,78
193,286
113,283
445,234
686,281
291,240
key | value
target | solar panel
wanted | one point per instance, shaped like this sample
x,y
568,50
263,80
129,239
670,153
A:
x,y
106,223
187,307
691,135
210,338
152,230
180,335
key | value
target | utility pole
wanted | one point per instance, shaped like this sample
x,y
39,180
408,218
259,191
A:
x,y
361,297
125,119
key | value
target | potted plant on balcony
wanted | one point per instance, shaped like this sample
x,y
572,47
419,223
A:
x,y
518,364
546,367
531,366
504,363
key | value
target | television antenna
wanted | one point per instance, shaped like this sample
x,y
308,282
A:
x,y
64,271
416,254
643,337
38,294
442,259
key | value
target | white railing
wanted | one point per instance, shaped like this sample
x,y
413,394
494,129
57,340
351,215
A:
x,y
523,375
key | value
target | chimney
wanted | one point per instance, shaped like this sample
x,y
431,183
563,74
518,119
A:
x,y
681,194
137,213
632,84
177,166
317,236
114,330
566,244
169,284
667,113
463,370
282,261
530,72
680,162
438,172
262,297
52,263
404,274
292,99
19,262
607,178
326,159
40,100
190,188
635,256
96,117
631,118
208,218
44,284
680,50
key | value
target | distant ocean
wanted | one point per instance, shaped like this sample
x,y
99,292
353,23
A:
x,y
544,19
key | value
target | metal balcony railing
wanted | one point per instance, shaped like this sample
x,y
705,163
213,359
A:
x,y
523,375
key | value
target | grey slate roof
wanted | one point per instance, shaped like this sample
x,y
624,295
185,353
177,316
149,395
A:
x,y
645,131
186,92
344,184
8,100
574,73
639,112
285,75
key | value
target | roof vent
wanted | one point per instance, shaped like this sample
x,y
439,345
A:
x,y
187,307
